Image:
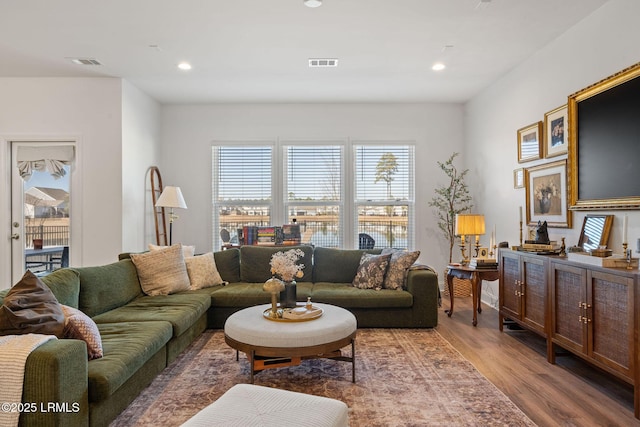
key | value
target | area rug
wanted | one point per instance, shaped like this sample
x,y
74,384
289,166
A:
x,y
404,377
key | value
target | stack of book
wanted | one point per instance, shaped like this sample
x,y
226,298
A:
x,y
483,263
532,246
266,235
291,234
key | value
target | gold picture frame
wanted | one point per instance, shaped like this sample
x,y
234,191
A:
x,y
556,132
581,197
518,178
529,142
547,195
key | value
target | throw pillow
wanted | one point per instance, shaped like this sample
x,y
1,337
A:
x,y
163,271
371,271
79,326
398,269
202,271
187,251
31,308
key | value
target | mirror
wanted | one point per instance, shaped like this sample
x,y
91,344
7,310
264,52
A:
x,y
595,231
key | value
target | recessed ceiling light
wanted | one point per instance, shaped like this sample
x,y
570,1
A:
x,y
438,66
184,66
312,3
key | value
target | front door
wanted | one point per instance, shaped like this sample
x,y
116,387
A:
x,y
40,206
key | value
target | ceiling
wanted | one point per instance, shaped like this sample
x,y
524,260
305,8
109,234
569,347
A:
x,y
258,50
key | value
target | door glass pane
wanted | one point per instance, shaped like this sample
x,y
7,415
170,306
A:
x,y
46,221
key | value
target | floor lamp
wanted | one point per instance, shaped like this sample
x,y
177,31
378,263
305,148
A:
x,y
171,197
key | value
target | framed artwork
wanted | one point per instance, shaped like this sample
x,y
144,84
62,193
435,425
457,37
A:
x,y
529,146
483,253
547,195
518,178
556,132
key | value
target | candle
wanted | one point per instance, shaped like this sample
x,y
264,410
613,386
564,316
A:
x,y
625,220
477,238
462,239
520,213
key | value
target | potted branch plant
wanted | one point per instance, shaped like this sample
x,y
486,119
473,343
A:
x,y
450,200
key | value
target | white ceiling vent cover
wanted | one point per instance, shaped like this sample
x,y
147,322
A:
x,y
323,62
85,61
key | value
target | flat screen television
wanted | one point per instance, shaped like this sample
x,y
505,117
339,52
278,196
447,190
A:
x,y
604,143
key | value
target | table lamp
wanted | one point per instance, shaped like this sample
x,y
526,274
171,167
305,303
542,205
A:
x,y
469,225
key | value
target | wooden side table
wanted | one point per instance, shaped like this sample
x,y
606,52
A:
x,y
476,276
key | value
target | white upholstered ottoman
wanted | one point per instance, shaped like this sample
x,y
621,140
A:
x,y
246,405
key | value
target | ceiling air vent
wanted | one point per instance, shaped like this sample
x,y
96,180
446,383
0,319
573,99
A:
x,y
85,61
323,62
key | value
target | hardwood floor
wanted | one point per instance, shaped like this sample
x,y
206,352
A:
x,y
570,393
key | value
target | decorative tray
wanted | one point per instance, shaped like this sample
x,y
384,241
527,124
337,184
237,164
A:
x,y
299,314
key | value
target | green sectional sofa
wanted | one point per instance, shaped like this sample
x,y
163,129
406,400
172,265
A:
x,y
143,334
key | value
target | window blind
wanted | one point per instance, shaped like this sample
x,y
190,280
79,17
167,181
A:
x,y
243,173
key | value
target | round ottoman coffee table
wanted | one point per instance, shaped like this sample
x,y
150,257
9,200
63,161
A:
x,y
276,343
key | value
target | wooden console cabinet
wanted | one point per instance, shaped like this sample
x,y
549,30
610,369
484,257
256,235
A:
x,y
593,315
523,290
593,312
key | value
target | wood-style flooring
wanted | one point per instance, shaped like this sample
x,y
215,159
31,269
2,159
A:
x,y
569,393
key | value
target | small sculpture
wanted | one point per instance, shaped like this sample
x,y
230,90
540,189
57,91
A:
x,y
542,235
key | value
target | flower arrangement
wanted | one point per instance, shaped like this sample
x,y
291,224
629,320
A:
x,y
545,190
284,264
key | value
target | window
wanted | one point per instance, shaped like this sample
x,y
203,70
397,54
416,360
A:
x,y
384,190
242,189
313,188
334,190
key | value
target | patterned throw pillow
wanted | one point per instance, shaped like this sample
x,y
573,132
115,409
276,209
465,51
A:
x,y
371,271
79,326
162,272
399,264
202,271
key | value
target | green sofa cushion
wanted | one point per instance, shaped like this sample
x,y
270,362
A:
x,y
106,287
228,264
247,294
127,347
347,296
255,262
65,285
181,310
337,265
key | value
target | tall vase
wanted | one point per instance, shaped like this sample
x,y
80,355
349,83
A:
x,y
288,296
545,204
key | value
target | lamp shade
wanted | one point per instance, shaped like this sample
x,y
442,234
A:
x,y
171,197
469,224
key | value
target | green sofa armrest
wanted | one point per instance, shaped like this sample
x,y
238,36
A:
x,y
423,285
55,385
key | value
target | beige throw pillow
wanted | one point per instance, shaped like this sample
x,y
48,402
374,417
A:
x,y
187,251
163,271
202,271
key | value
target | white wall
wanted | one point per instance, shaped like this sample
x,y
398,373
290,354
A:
x,y
140,151
89,111
188,132
597,47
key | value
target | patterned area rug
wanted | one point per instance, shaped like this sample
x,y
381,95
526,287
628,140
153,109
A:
x,y
404,377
